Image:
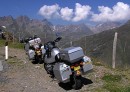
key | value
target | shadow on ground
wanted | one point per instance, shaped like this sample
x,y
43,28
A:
x,y
36,62
65,86
68,86
86,81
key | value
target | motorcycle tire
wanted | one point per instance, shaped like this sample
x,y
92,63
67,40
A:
x,y
77,82
36,60
46,68
40,61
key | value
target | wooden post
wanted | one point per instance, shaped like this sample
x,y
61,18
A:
x,y
114,51
6,50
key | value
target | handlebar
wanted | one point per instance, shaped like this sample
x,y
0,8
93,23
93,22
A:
x,y
51,44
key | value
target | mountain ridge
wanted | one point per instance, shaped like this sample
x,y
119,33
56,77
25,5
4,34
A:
x,y
24,27
104,26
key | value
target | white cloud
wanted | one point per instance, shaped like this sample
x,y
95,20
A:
x,y
49,11
118,12
66,13
81,12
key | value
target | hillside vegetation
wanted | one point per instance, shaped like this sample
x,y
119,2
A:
x,y
16,45
100,45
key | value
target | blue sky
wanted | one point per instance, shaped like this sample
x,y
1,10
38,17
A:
x,y
68,11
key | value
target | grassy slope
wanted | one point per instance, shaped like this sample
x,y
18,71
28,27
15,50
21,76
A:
x,y
11,44
106,79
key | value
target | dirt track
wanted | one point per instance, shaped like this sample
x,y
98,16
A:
x,y
20,75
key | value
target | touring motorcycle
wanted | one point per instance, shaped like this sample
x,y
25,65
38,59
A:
x,y
66,65
35,50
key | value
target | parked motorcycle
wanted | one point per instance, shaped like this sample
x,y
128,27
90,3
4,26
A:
x,y
66,65
35,51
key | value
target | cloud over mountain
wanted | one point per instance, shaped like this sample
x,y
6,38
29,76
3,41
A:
x,y
66,13
79,13
49,11
118,12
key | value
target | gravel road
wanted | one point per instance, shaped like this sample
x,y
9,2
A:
x,y
1,65
20,75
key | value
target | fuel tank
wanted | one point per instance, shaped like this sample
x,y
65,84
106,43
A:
x,y
51,59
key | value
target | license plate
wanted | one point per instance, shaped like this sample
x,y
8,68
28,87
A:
x,y
76,68
38,52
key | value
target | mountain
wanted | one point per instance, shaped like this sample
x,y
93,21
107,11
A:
x,y
100,45
75,32
104,26
81,28
23,27
72,32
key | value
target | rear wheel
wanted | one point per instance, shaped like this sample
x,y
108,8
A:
x,y
40,60
36,60
77,83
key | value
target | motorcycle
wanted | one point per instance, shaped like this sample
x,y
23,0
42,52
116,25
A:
x,y
66,65
35,51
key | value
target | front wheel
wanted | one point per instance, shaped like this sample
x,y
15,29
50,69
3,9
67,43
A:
x,y
77,83
48,68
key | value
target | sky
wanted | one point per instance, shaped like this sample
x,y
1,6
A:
x,y
68,11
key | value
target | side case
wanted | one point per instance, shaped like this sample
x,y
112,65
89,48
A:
x,y
62,72
87,67
87,64
31,54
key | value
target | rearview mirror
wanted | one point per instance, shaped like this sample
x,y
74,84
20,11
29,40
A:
x,y
58,39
